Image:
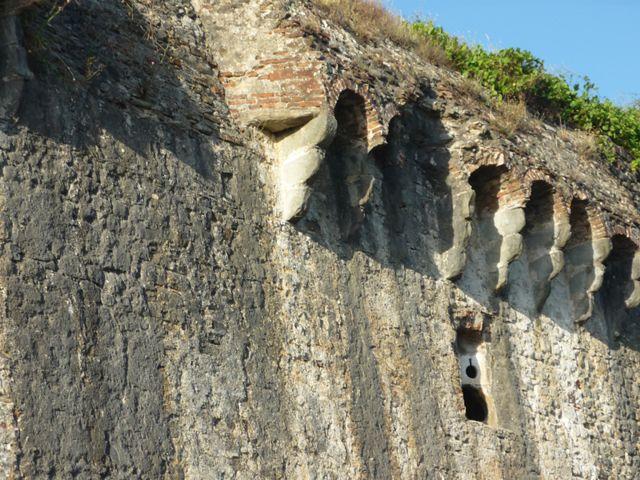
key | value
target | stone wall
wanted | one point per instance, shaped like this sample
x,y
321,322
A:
x,y
239,243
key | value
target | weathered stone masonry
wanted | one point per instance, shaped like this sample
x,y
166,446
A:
x,y
526,218
238,242
288,90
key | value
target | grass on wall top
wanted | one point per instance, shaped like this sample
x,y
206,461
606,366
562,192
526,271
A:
x,y
509,74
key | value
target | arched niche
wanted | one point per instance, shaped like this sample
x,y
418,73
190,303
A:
x,y
538,239
485,263
580,257
425,211
486,183
347,158
618,298
620,285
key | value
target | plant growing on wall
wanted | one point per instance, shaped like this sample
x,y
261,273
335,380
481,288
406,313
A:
x,y
514,74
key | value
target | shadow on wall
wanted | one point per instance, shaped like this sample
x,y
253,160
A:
x,y
101,70
613,323
579,254
117,73
395,204
480,275
380,202
347,157
538,237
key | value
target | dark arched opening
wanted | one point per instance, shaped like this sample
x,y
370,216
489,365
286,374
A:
x,y
539,209
580,224
617,287
617,278
347,160
538,235
351,116
486,182
579,260
480,276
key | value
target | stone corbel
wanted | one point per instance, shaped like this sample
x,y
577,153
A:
x,y
633,300
455,258
300,155
561,235
509,222
14,69
601,249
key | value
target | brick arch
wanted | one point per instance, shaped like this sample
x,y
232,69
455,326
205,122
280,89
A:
x,y
581,222
350,112
532,176
377,123
628,231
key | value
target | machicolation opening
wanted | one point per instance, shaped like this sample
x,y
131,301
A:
x,y
617,284
539,209
474,403
538,236
347,159
486,182
579,258
481,271
580,224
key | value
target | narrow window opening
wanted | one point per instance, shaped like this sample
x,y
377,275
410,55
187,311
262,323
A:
x,y
474,403
473,373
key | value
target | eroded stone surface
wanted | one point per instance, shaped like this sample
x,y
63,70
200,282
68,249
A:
x,y
162,321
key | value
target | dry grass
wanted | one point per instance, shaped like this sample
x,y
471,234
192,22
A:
x,y
369,20
510,117
471,88
586,144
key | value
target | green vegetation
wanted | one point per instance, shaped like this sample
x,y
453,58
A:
x,y
514,74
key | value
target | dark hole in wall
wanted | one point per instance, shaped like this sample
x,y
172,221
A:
x,y
474,403
485,181
347,156
618,266
471,371
617,278
467,339
619,322
580,224
539,208
350,114
623,249
579,259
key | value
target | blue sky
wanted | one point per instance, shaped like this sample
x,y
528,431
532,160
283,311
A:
x,y
600,39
